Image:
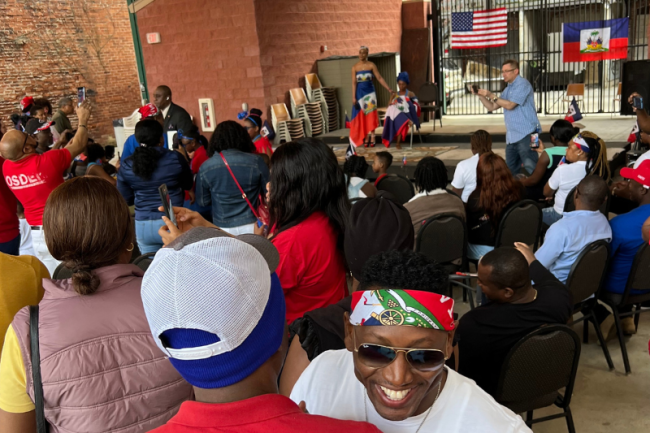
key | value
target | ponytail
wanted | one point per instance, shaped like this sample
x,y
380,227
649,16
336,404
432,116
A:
x,y
145,161
597,163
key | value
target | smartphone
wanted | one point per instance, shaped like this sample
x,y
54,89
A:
x,y
534,141
637,102
81,95
475,88
167,203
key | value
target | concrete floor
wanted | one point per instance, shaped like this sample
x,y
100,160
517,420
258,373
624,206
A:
x,y
604,401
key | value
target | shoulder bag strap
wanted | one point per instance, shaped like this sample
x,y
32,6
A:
x,y
243,194
41,424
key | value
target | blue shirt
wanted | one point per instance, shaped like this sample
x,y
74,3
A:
x,y
131,144
566,239
521,120
626,241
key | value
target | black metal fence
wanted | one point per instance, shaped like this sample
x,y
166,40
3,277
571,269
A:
x,y
535,41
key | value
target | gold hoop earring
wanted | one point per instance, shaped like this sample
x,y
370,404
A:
x,y
131,247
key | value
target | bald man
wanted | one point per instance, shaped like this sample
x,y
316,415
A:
x,y
176,118
564,242
32,177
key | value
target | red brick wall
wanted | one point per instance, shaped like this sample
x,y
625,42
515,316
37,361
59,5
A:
x,y
291,34
236,51
208,49
49,48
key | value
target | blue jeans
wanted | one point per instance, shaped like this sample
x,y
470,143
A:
x,y
146,233
11,247
550,216
518,153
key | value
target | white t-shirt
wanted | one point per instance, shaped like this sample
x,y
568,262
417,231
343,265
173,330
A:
x,y
330,388
563,179
643,157
465,176
353,190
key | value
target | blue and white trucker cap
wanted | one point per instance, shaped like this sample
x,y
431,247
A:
x,y
215,306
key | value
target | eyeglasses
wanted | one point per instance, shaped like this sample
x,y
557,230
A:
x,y
507,70
378,356
248,128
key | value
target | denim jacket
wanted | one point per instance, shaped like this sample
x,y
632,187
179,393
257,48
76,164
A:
x,y
172,170
215,186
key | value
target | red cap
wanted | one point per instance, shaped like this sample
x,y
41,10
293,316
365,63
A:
x,y
148,110
641,174
26,103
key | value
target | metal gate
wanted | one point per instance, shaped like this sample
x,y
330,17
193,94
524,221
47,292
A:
x,y
535,41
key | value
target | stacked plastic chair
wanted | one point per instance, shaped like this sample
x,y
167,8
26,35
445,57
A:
x,y
286,128
326,96
310,112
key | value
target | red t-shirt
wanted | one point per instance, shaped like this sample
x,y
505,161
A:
x,y
311,270
8,217
33,179
200,156
263,414
263,144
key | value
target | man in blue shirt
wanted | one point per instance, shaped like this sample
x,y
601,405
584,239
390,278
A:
x,y
626,241
520,114
566,239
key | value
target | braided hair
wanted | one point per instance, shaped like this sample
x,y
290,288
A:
x,y
355,165
430,174
597,162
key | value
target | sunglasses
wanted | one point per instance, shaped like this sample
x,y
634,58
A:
x,y
378,356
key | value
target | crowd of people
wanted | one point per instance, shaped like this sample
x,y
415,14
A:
x,y
283,291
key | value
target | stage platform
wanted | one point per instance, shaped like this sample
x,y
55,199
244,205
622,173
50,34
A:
x,y
451,143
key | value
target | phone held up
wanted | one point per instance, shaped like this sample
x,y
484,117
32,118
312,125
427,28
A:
x,y
637,102
167,203
81,95
475,89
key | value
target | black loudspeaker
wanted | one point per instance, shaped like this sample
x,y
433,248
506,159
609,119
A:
x,y
636,78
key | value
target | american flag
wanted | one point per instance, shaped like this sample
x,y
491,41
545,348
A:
x,y
479,29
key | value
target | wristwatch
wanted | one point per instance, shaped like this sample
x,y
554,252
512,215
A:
x,y
495,99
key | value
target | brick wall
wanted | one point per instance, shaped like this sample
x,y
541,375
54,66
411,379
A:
x,y
291,34
49,48
236,51
208,49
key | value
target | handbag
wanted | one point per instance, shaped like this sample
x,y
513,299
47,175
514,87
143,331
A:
x,y
41,424
262,211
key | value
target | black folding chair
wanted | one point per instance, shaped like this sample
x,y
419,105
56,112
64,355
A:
x,y
570,206
522,222
144,261
443,238
639,279
536,369
398,185
585,279
430,101
61,273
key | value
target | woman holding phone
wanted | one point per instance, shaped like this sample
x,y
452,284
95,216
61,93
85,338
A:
x,y
141,176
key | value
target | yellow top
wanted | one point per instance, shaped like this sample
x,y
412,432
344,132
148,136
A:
x,y
13,383
21,284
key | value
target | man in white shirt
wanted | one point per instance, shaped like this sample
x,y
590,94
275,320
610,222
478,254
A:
x,y
392,372
464,182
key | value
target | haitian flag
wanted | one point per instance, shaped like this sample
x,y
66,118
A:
x,y
347,121
574,112
396,123
592,41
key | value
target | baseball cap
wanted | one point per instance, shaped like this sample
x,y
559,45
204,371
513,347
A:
x,y
376,225
215,306
34,125
26,103
641,174
148,110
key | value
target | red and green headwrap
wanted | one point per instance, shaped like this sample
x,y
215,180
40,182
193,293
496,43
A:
x,y
402,308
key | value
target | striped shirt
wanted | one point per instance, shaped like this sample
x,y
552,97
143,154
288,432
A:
x,y
522,120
